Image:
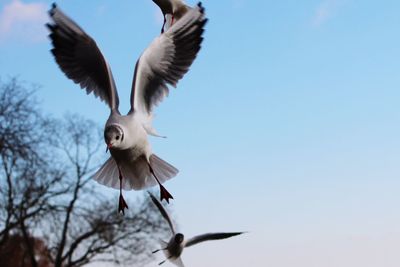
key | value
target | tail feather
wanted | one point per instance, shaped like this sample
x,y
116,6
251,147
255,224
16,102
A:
x,y
163,169
163,243
136,174
178,262
106,174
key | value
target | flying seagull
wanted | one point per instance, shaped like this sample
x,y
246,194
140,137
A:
x,y
132,164
172,11
174,248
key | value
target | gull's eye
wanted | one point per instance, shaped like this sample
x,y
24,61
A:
x,y
117,137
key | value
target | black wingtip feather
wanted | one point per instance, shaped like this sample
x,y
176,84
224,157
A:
x,y
152,197
201,8
74,52
49,26
52,11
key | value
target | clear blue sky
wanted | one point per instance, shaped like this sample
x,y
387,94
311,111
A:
x,y
286,126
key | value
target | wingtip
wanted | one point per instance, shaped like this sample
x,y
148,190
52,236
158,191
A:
x,y
150,194
49,26
200,6
153,198
237,233
52,9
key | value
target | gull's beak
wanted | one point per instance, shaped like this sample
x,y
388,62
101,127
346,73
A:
x,y
108,147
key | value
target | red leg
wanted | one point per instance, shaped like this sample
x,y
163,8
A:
x,y
164,194
122,204
172,20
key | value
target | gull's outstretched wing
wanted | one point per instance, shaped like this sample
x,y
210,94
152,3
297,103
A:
x,y
173,10
166,60
163,212
208,237
80,59
164,5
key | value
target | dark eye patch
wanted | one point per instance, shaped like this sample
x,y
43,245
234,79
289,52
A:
x,y
117,137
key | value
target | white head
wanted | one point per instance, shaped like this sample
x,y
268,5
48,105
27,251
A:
x,y
113,136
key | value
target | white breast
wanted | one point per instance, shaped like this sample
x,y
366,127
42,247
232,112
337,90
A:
x,y
135,135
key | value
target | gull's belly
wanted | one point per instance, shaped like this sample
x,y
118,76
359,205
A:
x,y
127,155
138,141
174,249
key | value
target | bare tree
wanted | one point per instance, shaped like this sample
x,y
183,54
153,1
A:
x,y
48,199
25,174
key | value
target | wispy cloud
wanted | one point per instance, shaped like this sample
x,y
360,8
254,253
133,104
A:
x,y
23,21
101,9
238,4
325,11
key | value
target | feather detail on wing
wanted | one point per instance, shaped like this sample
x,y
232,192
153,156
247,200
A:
x,y
208,237
80,59
166,60
108,174
164,5
136,173
163,212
